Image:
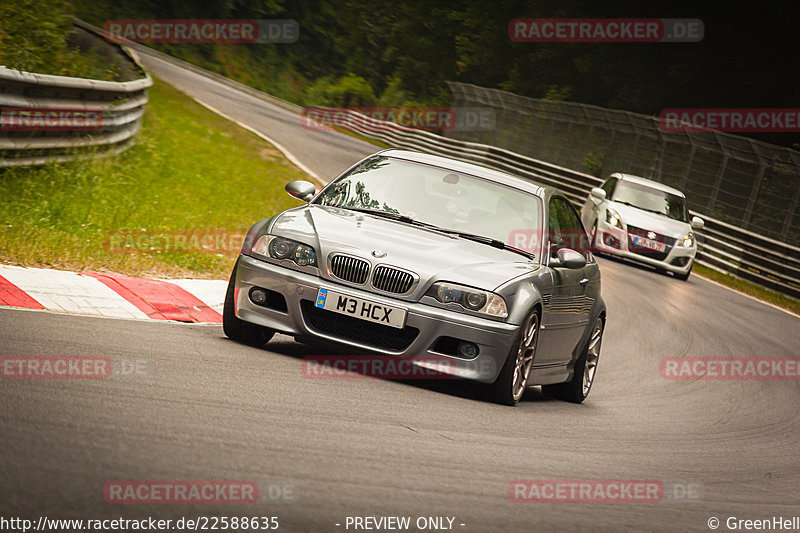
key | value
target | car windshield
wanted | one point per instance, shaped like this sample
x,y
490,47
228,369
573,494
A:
x,y
651,199
440,197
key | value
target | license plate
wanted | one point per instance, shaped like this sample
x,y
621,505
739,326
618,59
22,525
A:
x,y
360,308
641,242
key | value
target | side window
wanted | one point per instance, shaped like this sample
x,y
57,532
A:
x,y
609,186
579,241
565,228
554,234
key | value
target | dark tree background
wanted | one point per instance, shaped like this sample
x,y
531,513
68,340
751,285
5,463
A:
x,y
407,49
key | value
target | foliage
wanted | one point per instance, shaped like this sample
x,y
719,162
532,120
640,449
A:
x,y
35,37
347,91
557,93
593,162
407,49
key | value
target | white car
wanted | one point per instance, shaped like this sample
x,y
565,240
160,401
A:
x,y
644,221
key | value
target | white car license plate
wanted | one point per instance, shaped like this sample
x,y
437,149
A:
x,y
360,308
641,242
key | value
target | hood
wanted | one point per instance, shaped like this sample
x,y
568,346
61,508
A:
x,y
633,216
430,254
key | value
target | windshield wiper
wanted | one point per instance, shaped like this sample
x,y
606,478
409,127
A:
x,y
663,214
387,214
464,235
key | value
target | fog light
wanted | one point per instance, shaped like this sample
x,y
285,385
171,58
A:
x,y
258,296
610,240
467,350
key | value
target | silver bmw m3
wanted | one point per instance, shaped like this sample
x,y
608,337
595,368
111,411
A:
x,y
422,257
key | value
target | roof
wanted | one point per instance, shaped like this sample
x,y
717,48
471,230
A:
x,y
649,183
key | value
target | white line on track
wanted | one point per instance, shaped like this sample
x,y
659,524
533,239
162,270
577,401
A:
x,y
779,308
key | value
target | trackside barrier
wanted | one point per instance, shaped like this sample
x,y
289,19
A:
x,y
47,118
721,246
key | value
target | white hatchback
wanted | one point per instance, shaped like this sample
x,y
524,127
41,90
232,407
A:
x,y
644,221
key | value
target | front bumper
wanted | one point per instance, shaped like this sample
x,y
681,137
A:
x,y
614,241
299,289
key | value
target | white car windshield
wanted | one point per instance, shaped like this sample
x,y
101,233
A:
x,y
440,197
650,199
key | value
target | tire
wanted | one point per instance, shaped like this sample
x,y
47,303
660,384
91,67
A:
x,y
685,277
577,389
513,379
237,329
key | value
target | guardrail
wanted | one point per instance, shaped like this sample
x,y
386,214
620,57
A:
x,y
742,181
721,246
59,118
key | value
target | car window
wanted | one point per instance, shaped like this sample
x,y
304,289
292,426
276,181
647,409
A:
x,y
652,199
565,228
609,186
440,197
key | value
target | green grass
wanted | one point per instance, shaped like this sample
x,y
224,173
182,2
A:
x,y
375,142
190,171
762,293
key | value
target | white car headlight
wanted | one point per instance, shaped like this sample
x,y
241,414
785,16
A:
x,y
280,248
484,302
613,218
687,241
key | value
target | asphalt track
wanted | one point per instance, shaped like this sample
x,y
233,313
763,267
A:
x,y
205,408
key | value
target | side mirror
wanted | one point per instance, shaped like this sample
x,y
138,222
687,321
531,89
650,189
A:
x,y
302,190
598,194
698,223
567,258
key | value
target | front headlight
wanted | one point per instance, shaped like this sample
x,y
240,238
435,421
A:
x,y
477,300
688,240
612,217
280,248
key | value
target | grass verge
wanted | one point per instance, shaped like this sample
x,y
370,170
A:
x,y
375,142
761,293
192,173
